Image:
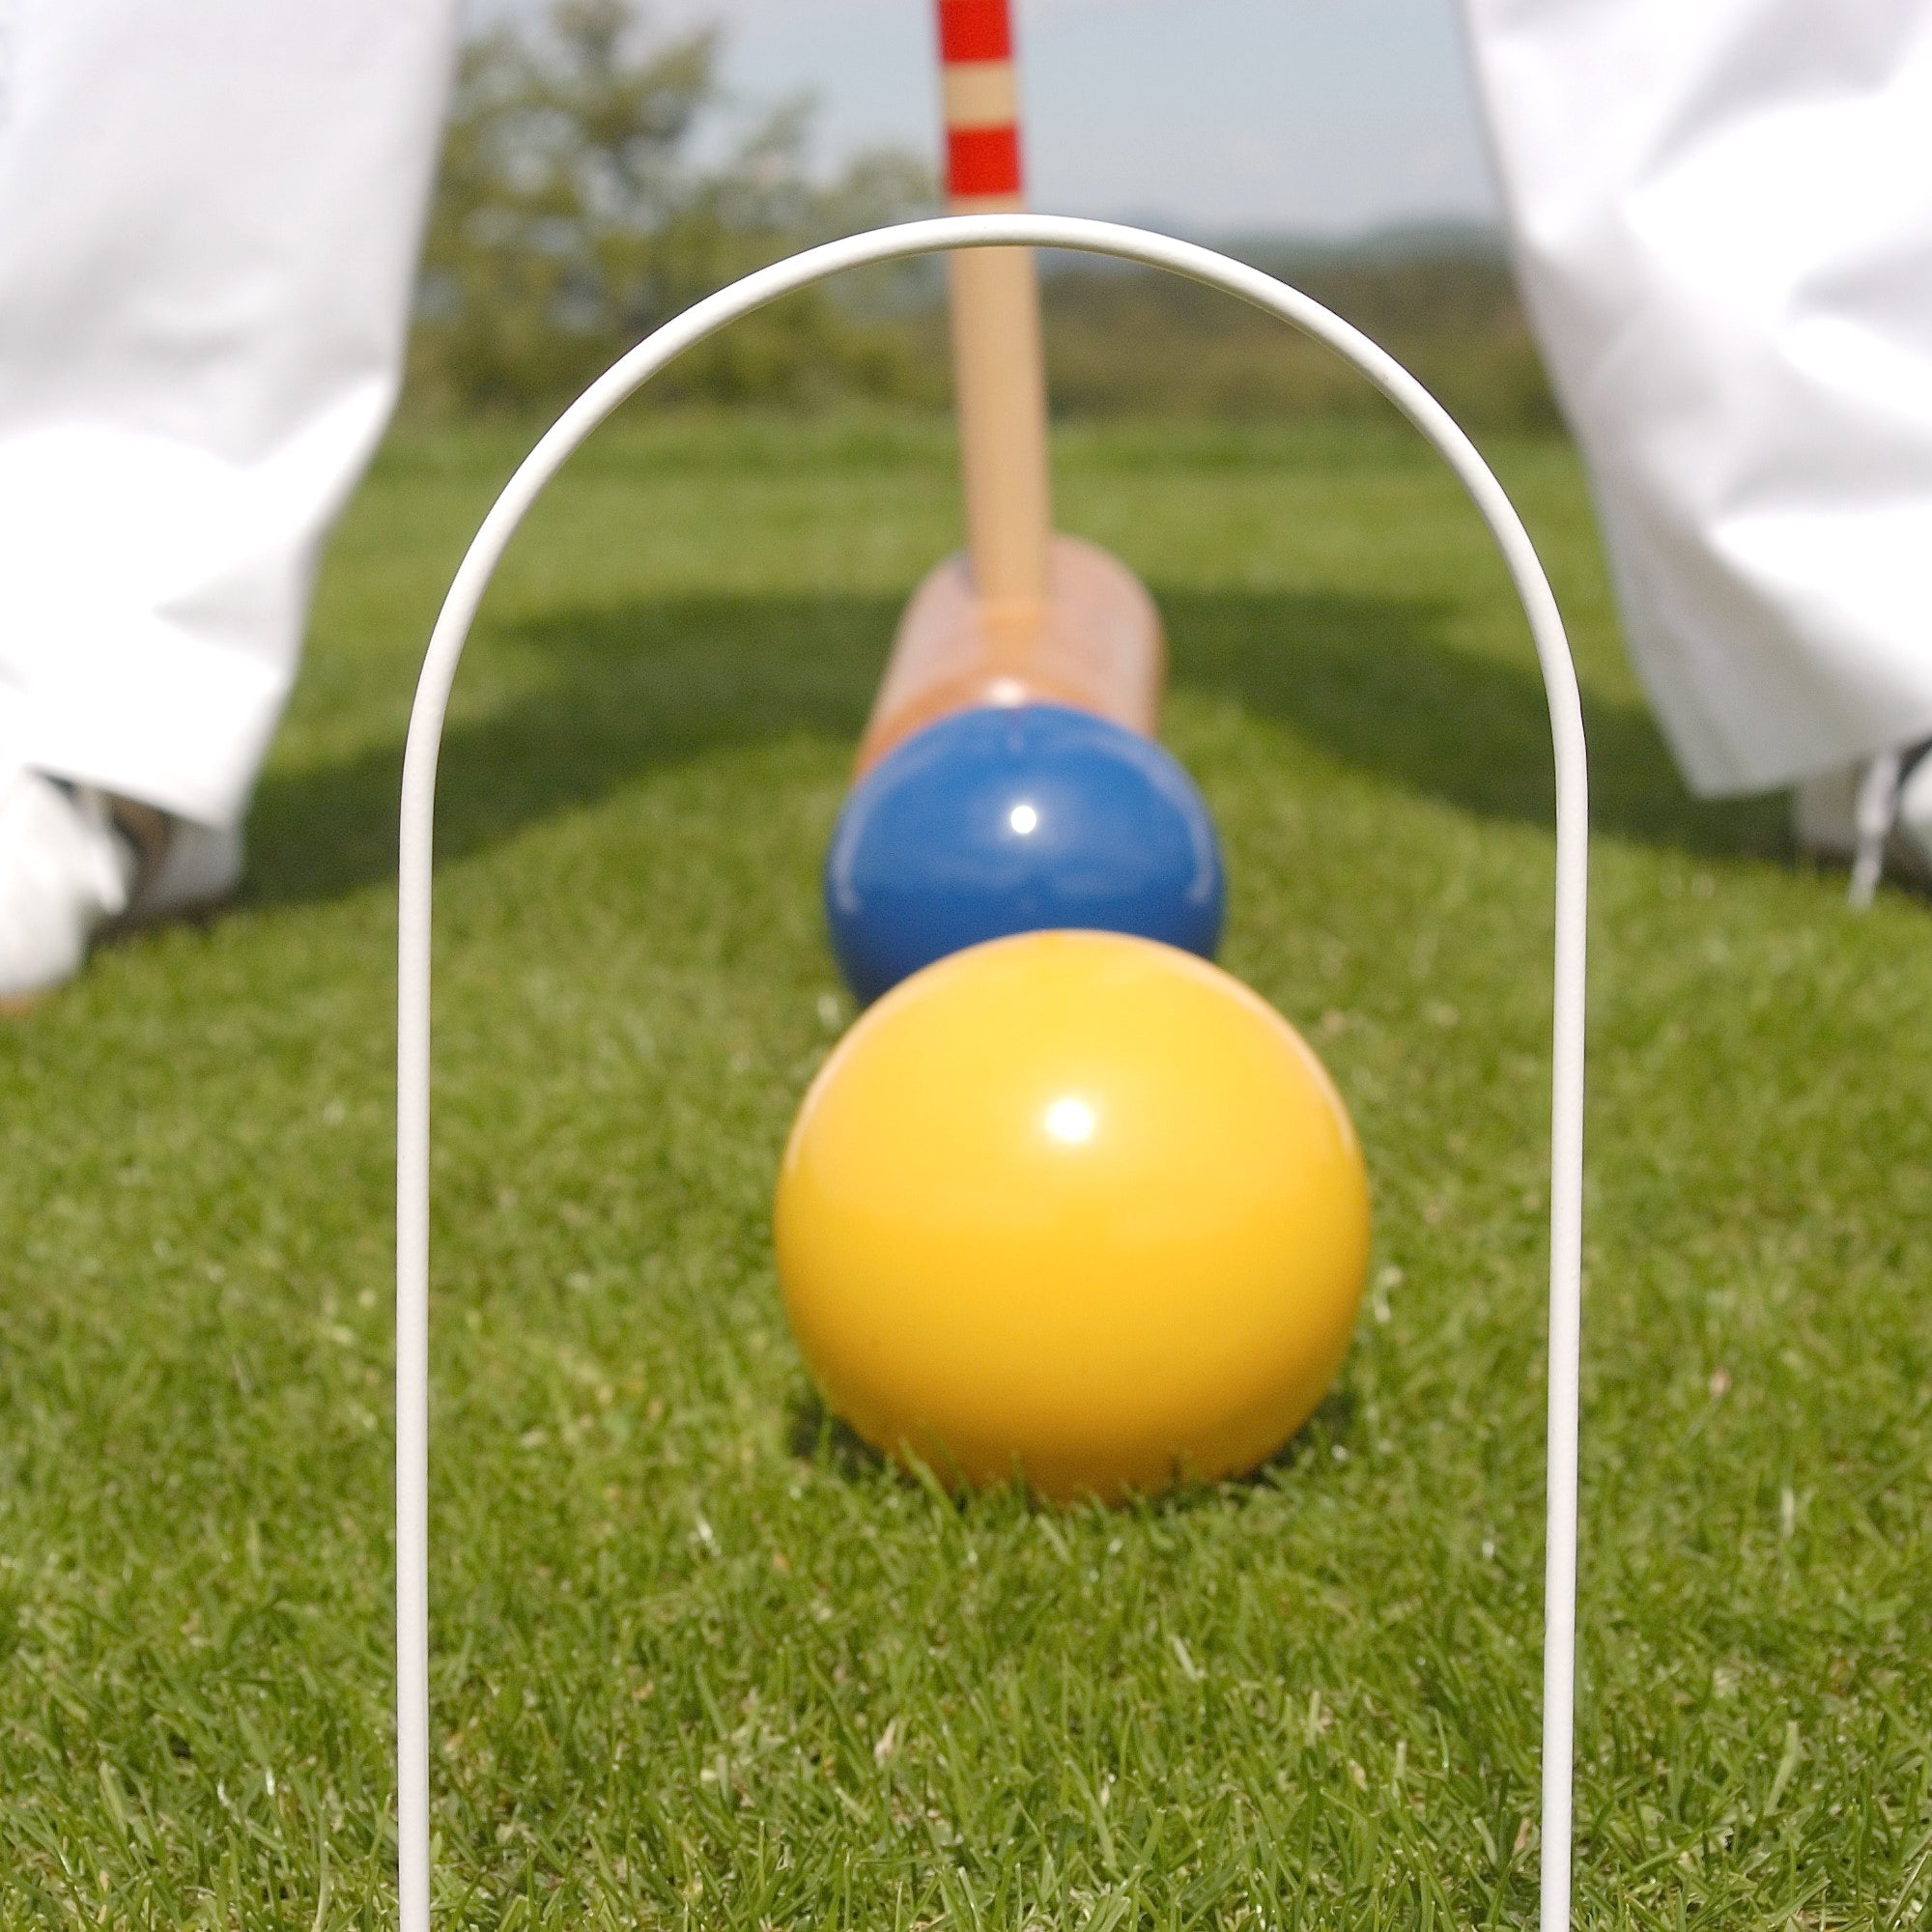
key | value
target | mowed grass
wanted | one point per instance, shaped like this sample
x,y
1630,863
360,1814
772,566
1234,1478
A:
x,y
698,1661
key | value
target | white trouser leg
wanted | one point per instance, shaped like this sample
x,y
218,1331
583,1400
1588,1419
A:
x,y
209,214
1722,218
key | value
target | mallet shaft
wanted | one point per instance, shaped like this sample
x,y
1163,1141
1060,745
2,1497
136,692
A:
x,y
999,367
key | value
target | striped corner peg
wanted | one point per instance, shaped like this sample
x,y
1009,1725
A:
x,y
983,132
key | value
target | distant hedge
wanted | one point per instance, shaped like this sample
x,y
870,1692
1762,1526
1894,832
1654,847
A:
x,y
1138,343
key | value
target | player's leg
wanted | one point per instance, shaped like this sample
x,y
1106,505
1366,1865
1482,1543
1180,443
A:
x,y
1724,234
210,216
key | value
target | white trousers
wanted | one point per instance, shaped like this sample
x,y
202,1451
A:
x,y
210,216
1722,211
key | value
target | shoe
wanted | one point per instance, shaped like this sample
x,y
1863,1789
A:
x,y
185,869
1877,815
1912,815
77,864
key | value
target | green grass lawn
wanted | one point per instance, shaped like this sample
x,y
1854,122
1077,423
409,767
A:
x,y
697,1660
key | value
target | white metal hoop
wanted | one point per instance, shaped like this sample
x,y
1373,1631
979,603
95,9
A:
x,y
412,991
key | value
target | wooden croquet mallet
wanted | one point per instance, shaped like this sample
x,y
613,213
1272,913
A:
x,y
1025,616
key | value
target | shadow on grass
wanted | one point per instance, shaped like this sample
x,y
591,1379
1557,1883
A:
x,y
620,693
615,693
814,1435
1374,682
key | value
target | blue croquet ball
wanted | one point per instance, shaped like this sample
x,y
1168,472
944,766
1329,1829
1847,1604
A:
x,y
1017,819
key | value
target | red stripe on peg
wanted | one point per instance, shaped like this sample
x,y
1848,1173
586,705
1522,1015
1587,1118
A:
x,y
983,160
974,30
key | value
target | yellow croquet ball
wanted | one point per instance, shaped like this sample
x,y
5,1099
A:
x,y
1076,1205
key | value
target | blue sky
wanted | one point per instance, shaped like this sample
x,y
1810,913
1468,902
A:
x,y
1324,115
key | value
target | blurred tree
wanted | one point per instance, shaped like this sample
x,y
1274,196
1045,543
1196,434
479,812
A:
x,y
596,180
572,218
